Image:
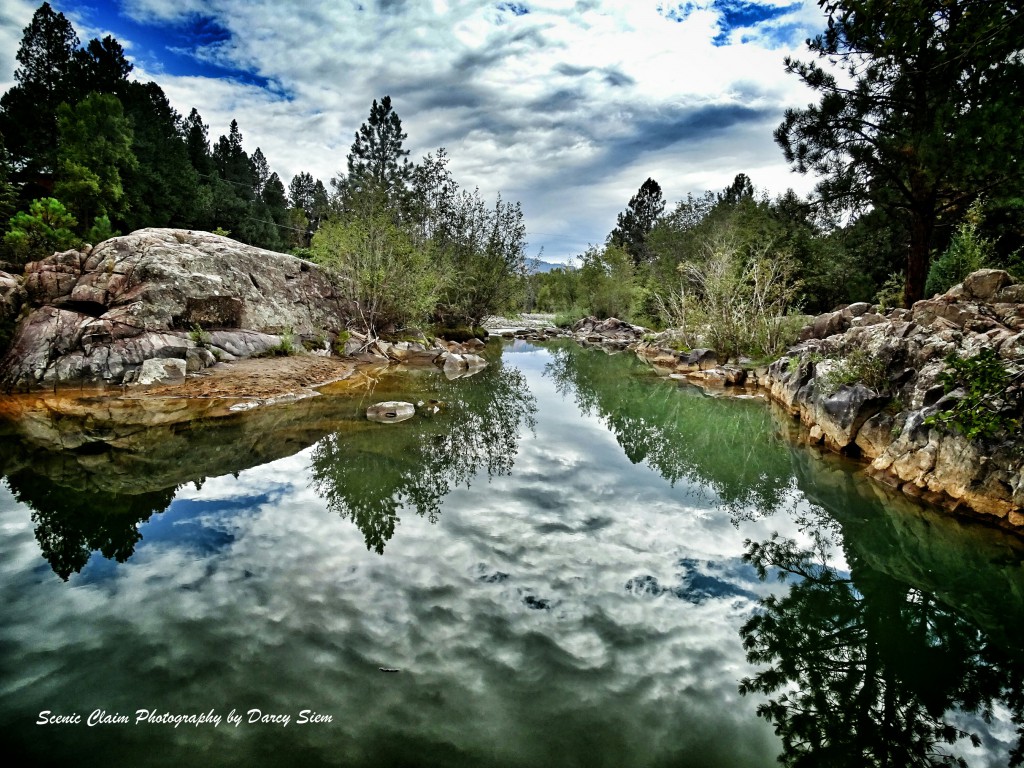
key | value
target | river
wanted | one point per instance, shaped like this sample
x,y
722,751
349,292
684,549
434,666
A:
x,y
571,562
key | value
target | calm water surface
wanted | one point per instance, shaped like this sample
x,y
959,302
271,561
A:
x,y
571,563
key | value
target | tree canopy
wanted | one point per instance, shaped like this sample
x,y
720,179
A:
x,y
918,113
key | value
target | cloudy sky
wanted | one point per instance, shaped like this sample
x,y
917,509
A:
x,y
565,105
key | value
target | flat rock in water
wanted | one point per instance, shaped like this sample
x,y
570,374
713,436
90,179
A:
x,y
390,412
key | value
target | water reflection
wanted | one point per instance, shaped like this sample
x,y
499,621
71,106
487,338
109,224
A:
x,y
729,446
868,668
368,474
575,609
71,525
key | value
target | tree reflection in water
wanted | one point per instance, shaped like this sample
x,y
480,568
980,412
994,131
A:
x,y
369,474
733,447
72,523
866,670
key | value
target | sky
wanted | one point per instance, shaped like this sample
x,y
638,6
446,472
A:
x,y
564,105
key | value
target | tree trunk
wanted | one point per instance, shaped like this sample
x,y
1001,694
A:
x,y
921,227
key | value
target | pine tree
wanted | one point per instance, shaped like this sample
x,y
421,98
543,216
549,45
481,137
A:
x,y
45,79
636,222
377,163
926,115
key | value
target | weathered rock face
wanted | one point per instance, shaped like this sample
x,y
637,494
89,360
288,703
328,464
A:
x,y
12,296
99,313
906,352
612,332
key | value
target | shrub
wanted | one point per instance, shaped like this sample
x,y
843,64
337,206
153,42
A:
x,y
859,366
736,300
991,400
198,336
388,280
891,294
45,229
967,252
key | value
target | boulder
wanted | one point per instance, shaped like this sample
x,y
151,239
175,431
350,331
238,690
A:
x,y
985,284
391,412
160,371
99,312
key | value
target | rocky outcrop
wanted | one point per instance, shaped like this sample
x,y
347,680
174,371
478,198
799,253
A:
x,y
12,297
865,384
99,313
611,332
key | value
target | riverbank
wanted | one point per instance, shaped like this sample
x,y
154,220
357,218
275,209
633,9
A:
x,y
891,389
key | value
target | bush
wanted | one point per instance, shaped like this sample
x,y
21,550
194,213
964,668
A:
x,y
892,292
860,366
991,400
967,252
45,229
569,317
387,279
735,303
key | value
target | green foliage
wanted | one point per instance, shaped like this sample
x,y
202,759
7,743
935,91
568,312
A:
x,y
480,252
967,252
284,348
46,228
378,268
94,152
907,125
221,232
636,222
892,293
199,336
46,77
735,299
100,230
606,282
990,399
555,291
378,168
858,367
569,317
340,341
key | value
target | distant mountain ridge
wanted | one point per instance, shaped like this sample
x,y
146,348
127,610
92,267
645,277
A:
x,y
535,266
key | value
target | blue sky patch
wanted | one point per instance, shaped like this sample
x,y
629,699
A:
x,y
739,14
517,9
173,47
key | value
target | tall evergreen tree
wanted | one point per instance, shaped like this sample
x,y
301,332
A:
x,y
164,189
377,163
94,152
197,143
44,80
636,222
102,67
926,116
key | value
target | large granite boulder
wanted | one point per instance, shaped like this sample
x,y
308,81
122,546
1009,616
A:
x,y
99,313
12,296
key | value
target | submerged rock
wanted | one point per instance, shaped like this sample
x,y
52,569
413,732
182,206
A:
x,y
391,412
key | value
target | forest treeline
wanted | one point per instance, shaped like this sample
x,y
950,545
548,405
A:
x,y
915,139
88,153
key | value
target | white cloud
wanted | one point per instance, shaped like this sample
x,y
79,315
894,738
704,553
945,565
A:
x,y
568,107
